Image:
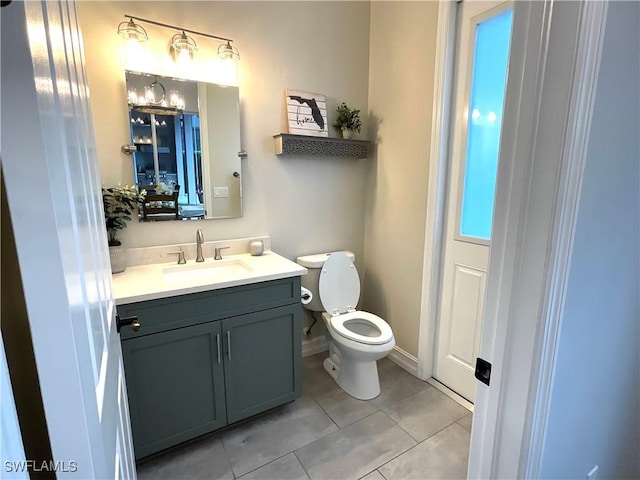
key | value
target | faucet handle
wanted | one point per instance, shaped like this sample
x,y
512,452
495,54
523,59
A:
x,y
181,259
217,254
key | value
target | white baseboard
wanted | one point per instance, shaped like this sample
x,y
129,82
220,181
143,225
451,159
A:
x,y
314,345
404,360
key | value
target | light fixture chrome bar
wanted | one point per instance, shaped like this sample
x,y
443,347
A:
x,y
174,27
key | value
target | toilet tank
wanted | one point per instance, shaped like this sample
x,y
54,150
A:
x,y
311,280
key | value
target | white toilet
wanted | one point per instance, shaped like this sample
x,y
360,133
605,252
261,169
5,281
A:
x,y
356,339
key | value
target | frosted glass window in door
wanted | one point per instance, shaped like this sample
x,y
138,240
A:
x,y
489,78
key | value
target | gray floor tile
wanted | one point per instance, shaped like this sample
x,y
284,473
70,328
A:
x,y
204,459
375,475
396,384
465,422
425,413
257,442
444,455
355,450
285,468
315,381
344,409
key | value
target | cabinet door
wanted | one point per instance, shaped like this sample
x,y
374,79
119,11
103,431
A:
x,y
175,382
262,360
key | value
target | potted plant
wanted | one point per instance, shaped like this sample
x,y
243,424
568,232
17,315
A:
x,y
119,202
348,120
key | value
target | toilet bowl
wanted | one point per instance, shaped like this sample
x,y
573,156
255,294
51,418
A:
x,y
356,339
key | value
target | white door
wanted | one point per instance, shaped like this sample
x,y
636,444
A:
x,y
53,190
484,30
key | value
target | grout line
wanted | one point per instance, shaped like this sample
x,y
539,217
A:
x,y
381,474
464,428
418,442
427,386
298,459
409,449
401,428
327,414
360,419
265,464
399,453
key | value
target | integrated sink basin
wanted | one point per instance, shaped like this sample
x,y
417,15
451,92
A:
x,y
213,270
160,280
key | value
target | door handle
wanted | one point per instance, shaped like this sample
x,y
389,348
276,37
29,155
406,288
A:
x,y
229,344
218,344
123,322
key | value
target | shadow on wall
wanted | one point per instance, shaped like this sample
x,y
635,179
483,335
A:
x,y
374,300
373,297
373,125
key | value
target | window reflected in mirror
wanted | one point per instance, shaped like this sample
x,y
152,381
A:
x,y
187,138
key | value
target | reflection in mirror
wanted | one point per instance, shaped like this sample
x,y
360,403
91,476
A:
x,y
187,136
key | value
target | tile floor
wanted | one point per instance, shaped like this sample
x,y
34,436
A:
x,y
410,431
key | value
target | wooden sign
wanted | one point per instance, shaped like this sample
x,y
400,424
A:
x,y
307,113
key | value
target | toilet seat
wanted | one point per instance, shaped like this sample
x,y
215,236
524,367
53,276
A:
x,y
338,324
339,284
339,288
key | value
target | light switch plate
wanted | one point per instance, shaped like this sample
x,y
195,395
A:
x,y
220,192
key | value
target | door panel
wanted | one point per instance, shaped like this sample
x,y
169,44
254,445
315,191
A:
x,y
53,192
484,30
262,360
176,386
466,310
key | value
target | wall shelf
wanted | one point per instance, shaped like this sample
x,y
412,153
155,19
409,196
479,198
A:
x,y
288,144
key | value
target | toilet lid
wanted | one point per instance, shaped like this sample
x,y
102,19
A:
x,y
339,286
340,325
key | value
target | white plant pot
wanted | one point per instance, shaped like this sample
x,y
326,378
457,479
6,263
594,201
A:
x,y
118,257
347,133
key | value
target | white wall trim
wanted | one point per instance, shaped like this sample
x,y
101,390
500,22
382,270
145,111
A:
x,y
314,345
404,360
436,190
585,80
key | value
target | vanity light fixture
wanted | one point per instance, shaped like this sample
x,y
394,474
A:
x,y
132,31
226,51
134,39
182,47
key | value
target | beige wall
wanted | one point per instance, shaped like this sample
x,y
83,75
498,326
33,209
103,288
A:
x,y
401,71
306,204
376,56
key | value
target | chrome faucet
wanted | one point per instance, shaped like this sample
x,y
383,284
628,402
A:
x,y
199,242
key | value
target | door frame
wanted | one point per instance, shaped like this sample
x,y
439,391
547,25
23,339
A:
x,y
537,195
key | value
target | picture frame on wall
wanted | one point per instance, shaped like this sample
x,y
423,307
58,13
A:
x,y
307,113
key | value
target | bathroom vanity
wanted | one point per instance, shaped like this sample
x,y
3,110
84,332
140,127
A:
x,y
219,341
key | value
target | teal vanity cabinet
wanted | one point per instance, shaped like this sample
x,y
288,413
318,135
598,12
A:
x,y
204,360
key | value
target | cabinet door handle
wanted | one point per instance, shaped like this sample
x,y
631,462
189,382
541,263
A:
x,y
123,322
218,344
229,344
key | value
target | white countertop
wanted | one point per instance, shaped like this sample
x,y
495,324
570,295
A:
x,y
150,282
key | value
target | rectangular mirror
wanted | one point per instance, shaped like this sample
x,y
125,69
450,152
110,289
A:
x,y
187,138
